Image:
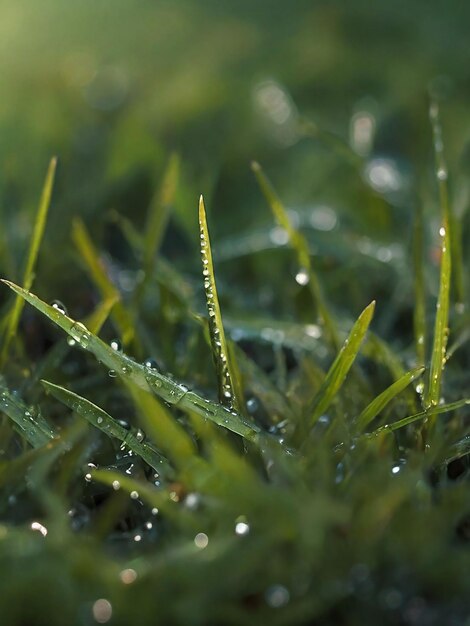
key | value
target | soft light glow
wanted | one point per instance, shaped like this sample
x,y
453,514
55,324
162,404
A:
x,y
102,611
201,540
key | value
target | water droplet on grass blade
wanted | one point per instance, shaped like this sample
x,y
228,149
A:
x,y
116,345
58,306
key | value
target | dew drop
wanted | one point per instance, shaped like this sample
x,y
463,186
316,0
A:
x,y
58,306
140,435
116,485
151,364
112,373
116,345
302,277
134,495
201,540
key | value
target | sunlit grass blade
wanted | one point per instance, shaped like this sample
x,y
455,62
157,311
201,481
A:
x,y
28,276
419,315
341,366
441,330
300,245
144,377
104,422
159,213
225,373
380,402
29,422
98,274
432,411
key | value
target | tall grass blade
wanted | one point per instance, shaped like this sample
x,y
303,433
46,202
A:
x,y
101,279
143,377
300,246
419,316
104,422
225,374
28,276
341,366
380,402
441,329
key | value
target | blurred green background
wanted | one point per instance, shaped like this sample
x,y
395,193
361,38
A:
x,y
113,87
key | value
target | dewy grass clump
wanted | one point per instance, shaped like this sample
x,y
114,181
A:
x,y
315,475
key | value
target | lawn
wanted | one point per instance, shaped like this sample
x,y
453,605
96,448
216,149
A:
x,y
248,406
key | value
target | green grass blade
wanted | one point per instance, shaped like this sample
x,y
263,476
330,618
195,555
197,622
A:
x,y
101,279
300,245
30,423
159,212
380,402
419,316
225,374
28,276
163,386
441,329
341,366
432,411
108,425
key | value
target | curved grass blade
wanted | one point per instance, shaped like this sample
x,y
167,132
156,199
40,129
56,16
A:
x,y
144,377
441,329
99,276
300,245
341,365
381,401
432,411
225,371
104,422
28,277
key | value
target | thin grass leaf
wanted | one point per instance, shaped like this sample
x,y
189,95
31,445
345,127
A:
x,y
143,377
159,213
380,402
35,244
29,421
300,245
441,330
432,411
419,314
341,366
108,425
225,371
97,319
98,274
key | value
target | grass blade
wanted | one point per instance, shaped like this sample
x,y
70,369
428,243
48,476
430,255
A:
x,y
300,245
381,401
28,276
159,213
441,329
99,276
29,423
432,411
419,317
144,377
104,422
341,366
225,374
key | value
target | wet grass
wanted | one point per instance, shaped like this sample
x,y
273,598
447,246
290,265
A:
x,y
281,435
